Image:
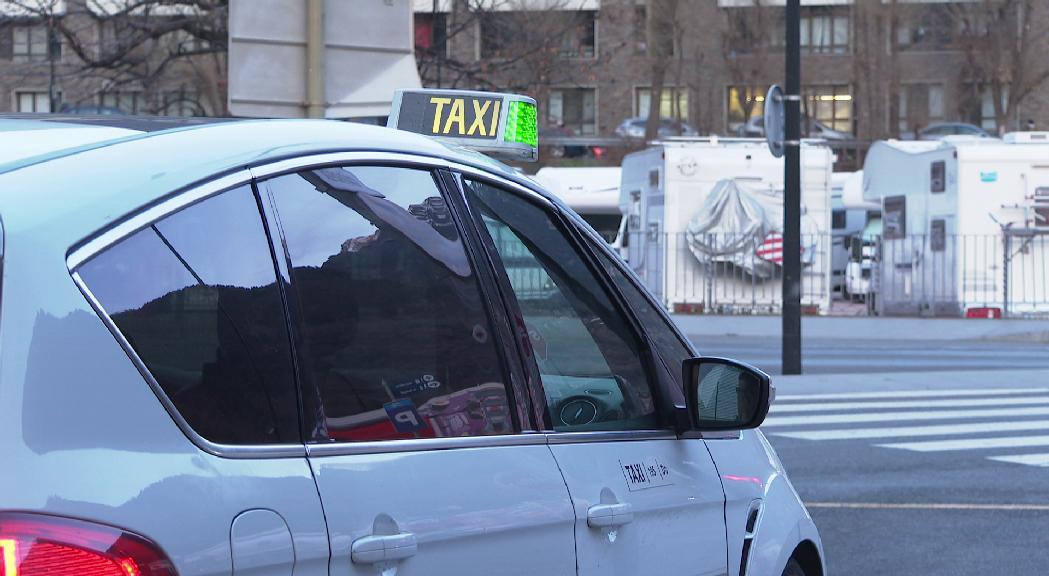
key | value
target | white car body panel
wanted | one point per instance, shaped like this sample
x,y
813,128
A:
x,y
494,510
678,519
83,434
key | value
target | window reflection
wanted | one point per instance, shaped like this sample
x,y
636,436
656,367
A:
x,y
195,296
395,339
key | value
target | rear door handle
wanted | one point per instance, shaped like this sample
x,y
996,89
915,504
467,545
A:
x,y
609,515
372,549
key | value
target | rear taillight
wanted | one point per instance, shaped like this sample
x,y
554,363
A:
x,y
40,545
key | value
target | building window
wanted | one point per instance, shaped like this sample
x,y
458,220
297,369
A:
x,y
988,120
673,102
132,102
745,103
824,30
830,106
640,24
497,33
574,109
431,32
34,102
919,106
572,34
927,27
30,44
579,36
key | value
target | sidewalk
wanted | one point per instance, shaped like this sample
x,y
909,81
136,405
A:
x,y
870,328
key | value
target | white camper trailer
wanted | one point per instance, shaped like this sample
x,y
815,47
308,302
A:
x,y
964,225
592,192
704,224
849,214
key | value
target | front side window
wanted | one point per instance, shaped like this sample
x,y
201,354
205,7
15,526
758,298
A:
x,y
666,341
588,356
395,340
195,295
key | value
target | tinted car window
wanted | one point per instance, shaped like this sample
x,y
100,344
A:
x,y
587,355
396,342
195,296
664,339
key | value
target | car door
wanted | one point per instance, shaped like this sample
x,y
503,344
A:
x,y
417,440
645,502
194,298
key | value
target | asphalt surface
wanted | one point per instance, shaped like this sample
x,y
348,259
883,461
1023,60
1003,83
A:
x,y
823,355
938,500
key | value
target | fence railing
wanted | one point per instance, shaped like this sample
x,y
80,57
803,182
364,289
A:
x,y
917,275
951,275
728,273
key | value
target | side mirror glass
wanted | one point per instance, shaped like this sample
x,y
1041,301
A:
x,y
725,394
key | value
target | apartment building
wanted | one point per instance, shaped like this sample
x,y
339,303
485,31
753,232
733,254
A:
x,y
871,68
67,57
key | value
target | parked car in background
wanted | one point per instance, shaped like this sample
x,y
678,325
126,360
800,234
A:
x,y
558,149
755,128
939,130
635,128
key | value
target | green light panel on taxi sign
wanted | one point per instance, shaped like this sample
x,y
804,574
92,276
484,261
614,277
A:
x,y
521,123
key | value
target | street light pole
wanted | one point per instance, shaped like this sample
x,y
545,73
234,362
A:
x,y
792,196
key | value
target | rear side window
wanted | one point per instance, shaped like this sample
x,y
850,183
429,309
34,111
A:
x,y
195,295
395,340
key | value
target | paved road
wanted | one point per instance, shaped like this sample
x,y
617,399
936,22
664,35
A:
x,y
847,355
905,475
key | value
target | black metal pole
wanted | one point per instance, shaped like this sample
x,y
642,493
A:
x,y
792,196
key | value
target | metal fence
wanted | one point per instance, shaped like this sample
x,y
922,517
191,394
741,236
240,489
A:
x,y
1003,274
917,275
728,273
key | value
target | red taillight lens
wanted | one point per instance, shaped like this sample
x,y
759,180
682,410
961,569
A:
x,y
39,545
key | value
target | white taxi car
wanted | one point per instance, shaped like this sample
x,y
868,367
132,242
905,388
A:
x,y
312,347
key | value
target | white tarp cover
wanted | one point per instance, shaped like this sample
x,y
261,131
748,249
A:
x,y
736,220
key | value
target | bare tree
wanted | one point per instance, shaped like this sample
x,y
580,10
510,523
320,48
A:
x,y
660,36
875,68
508,44
748,35
173,51
1005,48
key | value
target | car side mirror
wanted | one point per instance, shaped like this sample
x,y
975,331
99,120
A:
x,y
725,394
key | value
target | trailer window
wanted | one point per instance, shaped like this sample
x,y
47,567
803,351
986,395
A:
x,y
1041,207
938,235
838,219
938,177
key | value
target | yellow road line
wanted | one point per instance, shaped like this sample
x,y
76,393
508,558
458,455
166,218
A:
x,y
927,506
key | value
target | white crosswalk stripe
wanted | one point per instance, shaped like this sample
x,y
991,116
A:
x,y
916,431
910,394
1029,459
984,422
967,402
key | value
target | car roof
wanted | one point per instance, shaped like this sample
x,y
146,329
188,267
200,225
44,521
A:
x,y
74,190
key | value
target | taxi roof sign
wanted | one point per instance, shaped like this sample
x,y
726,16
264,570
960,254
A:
x,y
504,125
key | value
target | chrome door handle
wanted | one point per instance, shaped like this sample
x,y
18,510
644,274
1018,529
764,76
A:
x,y
372,549
609,515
